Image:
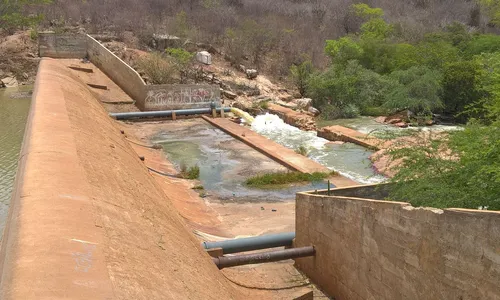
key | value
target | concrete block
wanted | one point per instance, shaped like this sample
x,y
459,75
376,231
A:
x,y
204,57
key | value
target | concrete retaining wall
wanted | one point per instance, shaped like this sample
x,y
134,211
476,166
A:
x,y
62,45
122,74
368,249
180,96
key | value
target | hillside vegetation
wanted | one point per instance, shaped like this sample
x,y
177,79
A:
x,y
374,58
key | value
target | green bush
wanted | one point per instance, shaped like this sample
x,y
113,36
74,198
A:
x,y
302,150
182,60
467,176
282,178
189,173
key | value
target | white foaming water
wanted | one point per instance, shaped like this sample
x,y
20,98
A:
x,y
348,159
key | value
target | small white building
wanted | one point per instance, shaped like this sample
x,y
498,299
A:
x,y
204,57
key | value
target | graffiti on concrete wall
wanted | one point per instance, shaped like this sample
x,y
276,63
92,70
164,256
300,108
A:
x,y
180,95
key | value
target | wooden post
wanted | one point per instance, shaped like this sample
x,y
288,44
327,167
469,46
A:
x,y
174,116
214,113
222,112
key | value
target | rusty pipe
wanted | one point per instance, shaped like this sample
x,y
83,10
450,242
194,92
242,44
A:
x,y
263,257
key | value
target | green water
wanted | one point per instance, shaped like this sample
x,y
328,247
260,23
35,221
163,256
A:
x,y
13,115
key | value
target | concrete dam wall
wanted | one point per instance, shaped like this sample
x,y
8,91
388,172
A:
x,y
87,220
369,249
147,97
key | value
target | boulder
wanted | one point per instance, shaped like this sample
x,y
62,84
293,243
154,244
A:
x,y
303,103
229,95
394,121
286,97
315,112
252,73
401,125
380,120
242,105
10,82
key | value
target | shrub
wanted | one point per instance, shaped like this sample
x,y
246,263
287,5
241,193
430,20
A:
x,y
281,178
189,173
302,150
157,68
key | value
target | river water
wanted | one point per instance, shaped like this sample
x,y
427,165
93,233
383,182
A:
x,y
13,115
348,159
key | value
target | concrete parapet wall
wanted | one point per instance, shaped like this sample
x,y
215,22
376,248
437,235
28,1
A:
x,y
180,96
121,73
87,220
62,45
368,249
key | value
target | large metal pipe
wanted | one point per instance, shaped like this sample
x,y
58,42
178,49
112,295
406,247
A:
x,y
252,243
165,113
263,257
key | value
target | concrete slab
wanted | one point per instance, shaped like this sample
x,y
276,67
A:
x,y
344,134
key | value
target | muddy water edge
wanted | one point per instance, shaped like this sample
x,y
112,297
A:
x,y
14,108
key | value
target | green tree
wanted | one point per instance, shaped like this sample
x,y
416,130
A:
x,y
13,14
487,108
301,73
418,89
436,54
493,9
482,43
345,91
343,50
461,86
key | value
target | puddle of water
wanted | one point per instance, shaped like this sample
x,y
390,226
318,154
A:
x,y
13,115
348,159
223,170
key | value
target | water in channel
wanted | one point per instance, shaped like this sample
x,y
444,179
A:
x,y
14,108
348,159
225,163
